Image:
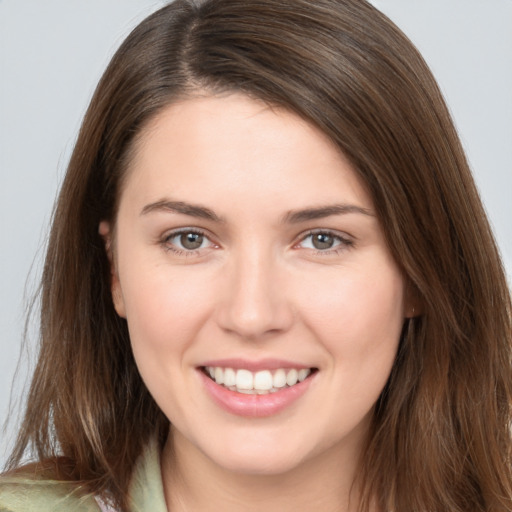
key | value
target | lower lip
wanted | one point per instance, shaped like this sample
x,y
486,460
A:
x,y
254,406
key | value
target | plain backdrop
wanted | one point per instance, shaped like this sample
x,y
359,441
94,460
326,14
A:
x,y
53,52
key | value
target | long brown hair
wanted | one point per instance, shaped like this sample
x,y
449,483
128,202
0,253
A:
x,y
440,438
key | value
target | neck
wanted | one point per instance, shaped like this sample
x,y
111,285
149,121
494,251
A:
x,y
193,482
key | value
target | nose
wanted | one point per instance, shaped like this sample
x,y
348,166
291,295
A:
x,y
254,302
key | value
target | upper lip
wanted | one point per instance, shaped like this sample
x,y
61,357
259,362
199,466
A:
x,y
254,365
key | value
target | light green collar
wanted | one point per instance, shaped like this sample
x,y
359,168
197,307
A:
x,y
146,489
25,494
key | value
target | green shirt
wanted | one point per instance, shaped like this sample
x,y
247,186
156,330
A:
x,y
22,494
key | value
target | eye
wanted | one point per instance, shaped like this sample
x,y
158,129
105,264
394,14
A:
x,y
324,241
191,241
187,241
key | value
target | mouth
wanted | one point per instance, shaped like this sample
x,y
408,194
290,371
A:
x,y
262,382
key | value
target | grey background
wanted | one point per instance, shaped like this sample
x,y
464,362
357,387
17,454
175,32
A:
x,y
52,54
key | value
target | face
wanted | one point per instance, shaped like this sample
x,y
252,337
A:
x,y
263,305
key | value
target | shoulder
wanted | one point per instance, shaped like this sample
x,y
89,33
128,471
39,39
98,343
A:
x,y
24,494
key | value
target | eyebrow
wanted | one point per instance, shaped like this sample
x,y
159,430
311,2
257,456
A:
x,y
192,210
291,217
297,216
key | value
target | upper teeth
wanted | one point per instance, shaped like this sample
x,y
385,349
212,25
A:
x,y
264,381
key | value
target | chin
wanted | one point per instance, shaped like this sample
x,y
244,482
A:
x,y
262,465
258,457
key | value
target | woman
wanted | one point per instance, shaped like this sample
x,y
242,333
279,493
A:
x,y
270,282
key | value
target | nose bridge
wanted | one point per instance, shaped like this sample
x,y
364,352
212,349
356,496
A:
x,y
255,301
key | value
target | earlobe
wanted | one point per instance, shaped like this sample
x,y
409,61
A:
x,y
115,285
413,302
411,312
117,296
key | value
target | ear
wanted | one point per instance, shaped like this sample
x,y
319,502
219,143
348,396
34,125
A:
x,y
413,301
115,285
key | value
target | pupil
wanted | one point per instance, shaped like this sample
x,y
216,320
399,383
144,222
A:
x,y
322,241
191,240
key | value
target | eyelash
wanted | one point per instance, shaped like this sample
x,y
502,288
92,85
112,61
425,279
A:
x,y
184,231
344,242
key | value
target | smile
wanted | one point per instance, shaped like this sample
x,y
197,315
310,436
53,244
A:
x,y
257,383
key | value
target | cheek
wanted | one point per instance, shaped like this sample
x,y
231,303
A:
x,y
357,303
359,318
164,311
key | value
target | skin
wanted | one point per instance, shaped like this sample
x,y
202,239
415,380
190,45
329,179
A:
x,y
257,288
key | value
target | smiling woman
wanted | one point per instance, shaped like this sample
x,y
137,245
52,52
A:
x,y
264,287
270,283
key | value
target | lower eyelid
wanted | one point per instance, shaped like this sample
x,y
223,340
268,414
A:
x,y
181,252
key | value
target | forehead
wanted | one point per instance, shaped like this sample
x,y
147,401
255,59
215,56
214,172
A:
x,y
207,146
